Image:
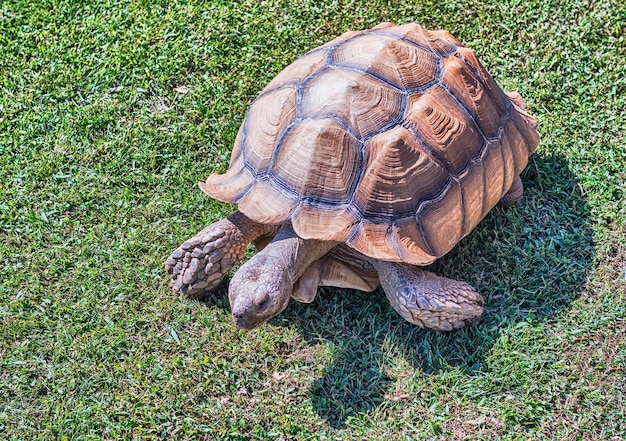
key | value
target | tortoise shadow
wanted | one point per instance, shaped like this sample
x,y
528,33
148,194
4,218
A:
x,y
529,262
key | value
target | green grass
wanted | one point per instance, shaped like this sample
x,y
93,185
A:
x,y
99,159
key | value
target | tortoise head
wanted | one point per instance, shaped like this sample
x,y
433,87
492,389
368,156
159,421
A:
x,y
258,291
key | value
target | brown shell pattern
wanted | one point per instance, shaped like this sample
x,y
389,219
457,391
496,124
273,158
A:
x,y
394,140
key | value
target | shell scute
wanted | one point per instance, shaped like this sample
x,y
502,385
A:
x,y
319,160
398,174
442,225
275,207
337,40
411,243
373,239
497,95
266,122
526,126
445,128
513,141
363,103
230,186
300,69
497,171
417,34
395,61
468,89
474,190
335,223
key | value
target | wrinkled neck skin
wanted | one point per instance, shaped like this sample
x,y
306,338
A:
x,y
262,287
295,253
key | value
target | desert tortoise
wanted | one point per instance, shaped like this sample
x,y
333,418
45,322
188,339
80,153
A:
x,y
365,158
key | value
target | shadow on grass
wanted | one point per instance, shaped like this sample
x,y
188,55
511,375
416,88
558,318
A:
x,y
529,262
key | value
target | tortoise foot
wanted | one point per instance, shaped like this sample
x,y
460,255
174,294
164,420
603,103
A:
x,y
514,195
428,300
200,263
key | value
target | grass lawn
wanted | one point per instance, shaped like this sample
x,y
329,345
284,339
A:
x,y
111,111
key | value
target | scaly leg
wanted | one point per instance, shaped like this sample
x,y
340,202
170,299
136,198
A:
x,y
426,299
200,263
514,195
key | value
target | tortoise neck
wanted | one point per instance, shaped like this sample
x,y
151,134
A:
x,y
296,253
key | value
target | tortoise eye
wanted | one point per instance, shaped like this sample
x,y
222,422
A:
x,y
262,302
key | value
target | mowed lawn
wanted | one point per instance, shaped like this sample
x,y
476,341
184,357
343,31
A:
x,y
112,111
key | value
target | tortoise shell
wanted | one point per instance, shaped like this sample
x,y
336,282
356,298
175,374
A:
x,y
394,140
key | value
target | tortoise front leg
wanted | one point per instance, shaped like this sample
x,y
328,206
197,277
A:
x,y
200,263
426,299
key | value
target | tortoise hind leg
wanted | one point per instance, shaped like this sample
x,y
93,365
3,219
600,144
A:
x,y
200,263
514,195
428,300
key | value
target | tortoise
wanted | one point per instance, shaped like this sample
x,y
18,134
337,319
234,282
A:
x,y
365,159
